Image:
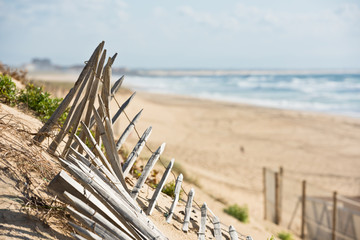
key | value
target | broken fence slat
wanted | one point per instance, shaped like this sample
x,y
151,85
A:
x,y
85,234
233,234
176,199
159,188
217,228
96,148
114,162
116,202
188,206
89,212
63,182
145,173
201,233
90,224
136,151
128,131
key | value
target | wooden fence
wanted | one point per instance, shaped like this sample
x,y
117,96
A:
x,y
321,216
93,182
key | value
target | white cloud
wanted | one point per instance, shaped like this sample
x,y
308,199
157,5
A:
x,y
199,17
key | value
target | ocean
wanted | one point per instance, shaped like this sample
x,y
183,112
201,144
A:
x,y
334,93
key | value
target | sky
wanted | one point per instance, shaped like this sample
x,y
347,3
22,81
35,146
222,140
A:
x,y
202,34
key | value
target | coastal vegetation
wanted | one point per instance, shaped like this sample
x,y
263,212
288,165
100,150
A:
x,y
33,97
241,213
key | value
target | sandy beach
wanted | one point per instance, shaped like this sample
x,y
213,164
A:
x,y
224,147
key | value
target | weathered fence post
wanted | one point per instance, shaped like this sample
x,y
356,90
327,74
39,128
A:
x,y
159,188
176,199
201,233
217,229
334,216
188,210
277,199
303,209
233,234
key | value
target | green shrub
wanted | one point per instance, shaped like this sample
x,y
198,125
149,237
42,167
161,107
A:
x,y
40,101
285,236
7,89
169,189
239,212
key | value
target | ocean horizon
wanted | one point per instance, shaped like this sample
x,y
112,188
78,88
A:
x,y
337,94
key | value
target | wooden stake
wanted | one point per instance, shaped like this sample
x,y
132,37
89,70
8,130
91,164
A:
x,y
277,199
201,233
303,209
177,196
122,108
334,216
145,173
127,131
217,229
233,234
136,151
188,210
159,188
176,199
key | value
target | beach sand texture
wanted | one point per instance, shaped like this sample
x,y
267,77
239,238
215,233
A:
x,y
225,146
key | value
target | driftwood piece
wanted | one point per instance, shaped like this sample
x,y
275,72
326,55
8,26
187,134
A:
x,y
90,224
112,156
136,151
145,173
233,234
117,203
159,187
217,228
128,131
201,233
65,103
176,199
188,206
86,234
89,212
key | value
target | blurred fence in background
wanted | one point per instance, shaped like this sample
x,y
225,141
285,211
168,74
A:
x,y
308,210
